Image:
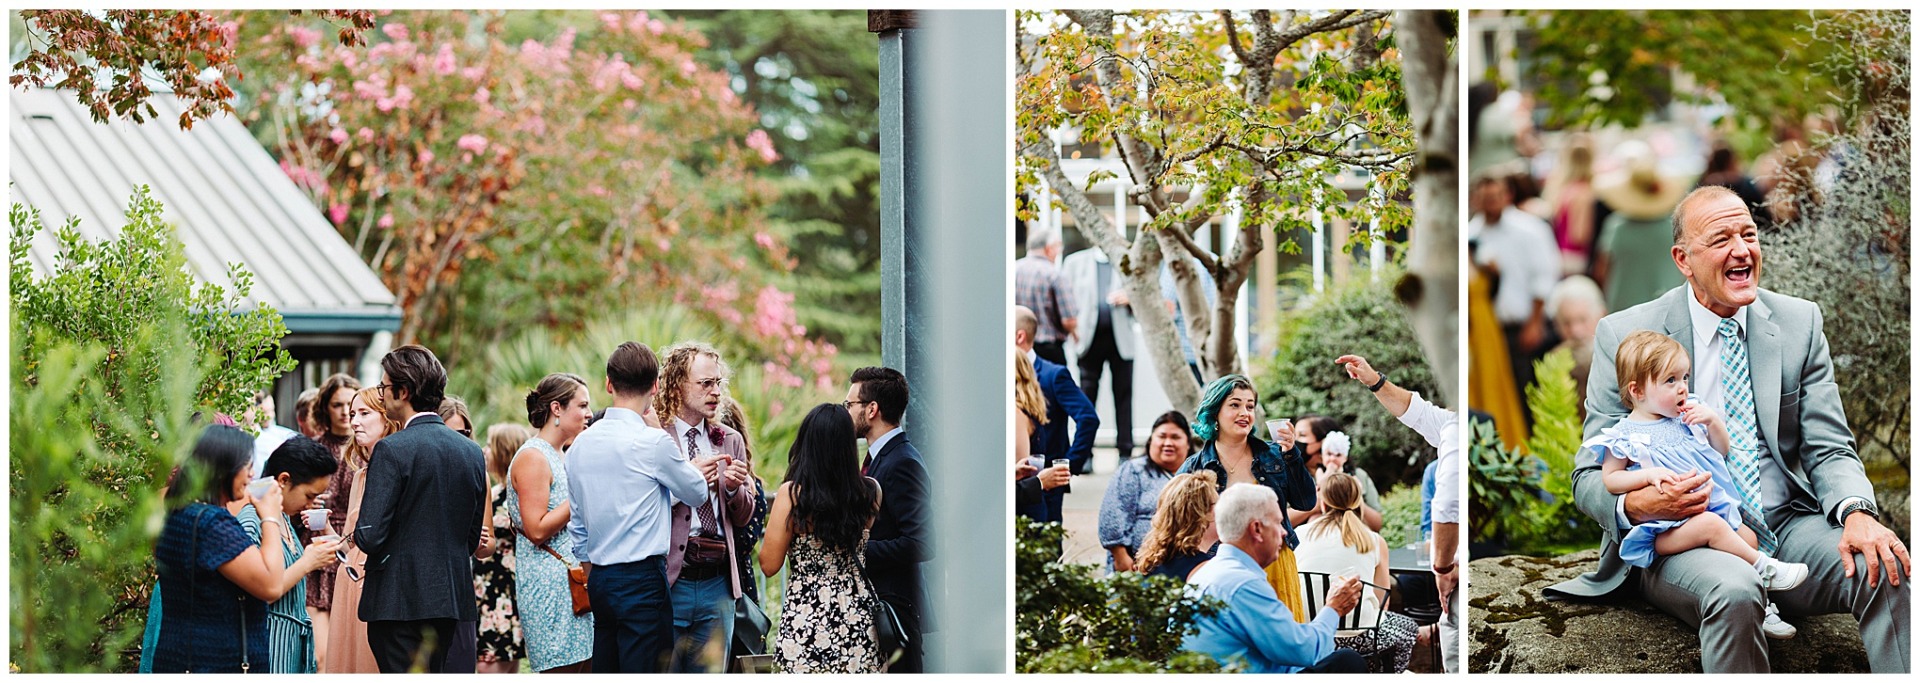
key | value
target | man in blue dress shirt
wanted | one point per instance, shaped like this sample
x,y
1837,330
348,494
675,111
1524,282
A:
x,y
624,476
1256,629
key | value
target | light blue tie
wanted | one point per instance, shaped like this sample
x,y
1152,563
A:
x,y
1743,454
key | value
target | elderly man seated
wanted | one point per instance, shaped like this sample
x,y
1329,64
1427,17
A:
x,y
1255,628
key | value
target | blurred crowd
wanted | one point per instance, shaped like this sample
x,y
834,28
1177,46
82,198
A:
x,y
1570,225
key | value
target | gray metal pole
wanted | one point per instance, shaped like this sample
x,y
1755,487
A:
x,y
945,171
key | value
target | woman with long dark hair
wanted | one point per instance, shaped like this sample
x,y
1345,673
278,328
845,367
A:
x,y
216,581
820,520
1225,424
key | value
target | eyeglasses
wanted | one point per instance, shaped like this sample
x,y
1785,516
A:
x,y
711,384
352,571
850,404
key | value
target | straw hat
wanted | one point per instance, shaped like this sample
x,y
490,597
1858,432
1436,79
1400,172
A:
x,y
1639,191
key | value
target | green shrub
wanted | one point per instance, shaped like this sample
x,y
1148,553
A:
x,y
1361,317
1069,620
1400,515
114,351
1524,503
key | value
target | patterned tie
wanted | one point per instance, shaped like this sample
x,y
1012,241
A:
x,y
1743,455
708,525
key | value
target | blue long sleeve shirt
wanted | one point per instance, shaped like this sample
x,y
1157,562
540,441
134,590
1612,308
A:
x,y
1255,627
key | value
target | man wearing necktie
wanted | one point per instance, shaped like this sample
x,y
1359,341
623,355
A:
x,y
1761,359
900,538
704,580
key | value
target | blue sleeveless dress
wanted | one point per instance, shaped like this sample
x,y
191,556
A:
x,y
1672,444
555,636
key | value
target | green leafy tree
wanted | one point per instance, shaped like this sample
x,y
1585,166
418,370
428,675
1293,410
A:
x,y
1068,620
810,75
115,350
1606,67
1208,112
1361,317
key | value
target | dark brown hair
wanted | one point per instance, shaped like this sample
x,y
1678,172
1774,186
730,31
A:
x,y
558,387
632,369
319,413
414,368
885,386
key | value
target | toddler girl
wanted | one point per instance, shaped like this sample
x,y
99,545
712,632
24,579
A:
x,y
1669,436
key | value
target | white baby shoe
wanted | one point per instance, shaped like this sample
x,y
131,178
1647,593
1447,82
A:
x,y
1775,627
1782,576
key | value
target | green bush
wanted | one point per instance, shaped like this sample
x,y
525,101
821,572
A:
x,y
1069,620
1361,317
1400,515
114,351
1524,503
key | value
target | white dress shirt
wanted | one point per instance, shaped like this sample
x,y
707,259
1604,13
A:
x,y
624,476
1441,428
1529,261
700,446
874,446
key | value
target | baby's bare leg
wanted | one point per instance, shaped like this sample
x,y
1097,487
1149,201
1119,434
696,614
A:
x,y
1746,534
1704,530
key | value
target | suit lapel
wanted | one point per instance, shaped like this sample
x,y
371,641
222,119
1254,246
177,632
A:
x,y
1680,326
1763,349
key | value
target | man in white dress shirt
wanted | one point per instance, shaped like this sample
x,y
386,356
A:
x,y
1441,428
1521,249
1761,360
624,476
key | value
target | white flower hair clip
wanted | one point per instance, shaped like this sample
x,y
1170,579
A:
x,y
1336,442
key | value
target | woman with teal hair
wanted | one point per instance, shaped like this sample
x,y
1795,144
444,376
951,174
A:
x,y
1225,423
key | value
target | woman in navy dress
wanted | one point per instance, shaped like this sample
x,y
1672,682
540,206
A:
x,y
215,580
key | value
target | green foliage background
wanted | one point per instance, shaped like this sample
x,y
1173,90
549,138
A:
x,y
1070,620
114,351
1360,317
1524,503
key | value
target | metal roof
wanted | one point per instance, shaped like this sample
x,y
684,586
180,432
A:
x,y
226,196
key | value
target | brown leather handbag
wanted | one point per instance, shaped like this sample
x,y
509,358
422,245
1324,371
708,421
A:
x,y
576,580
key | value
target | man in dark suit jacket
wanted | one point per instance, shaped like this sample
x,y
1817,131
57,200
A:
x,y
1064,400
419,521
898,542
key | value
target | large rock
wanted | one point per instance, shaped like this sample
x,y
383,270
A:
x,y
1516,630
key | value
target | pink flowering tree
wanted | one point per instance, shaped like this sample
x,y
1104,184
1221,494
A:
x,y
497,184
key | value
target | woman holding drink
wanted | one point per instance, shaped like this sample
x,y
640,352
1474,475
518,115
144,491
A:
x,y
1224,424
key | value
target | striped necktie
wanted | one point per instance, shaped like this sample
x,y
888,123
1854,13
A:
x,y
1743,455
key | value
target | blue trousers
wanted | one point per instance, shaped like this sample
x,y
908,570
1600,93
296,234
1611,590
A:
x,y
702,613
632,616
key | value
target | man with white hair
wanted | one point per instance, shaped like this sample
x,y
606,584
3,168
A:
x,y
1255,628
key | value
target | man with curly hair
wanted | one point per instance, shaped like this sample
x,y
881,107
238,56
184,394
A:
x,y
704,579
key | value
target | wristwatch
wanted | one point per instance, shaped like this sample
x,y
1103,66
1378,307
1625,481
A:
x,y
1858,506
1375,388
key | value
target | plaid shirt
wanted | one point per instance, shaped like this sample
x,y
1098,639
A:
x,y
1037,284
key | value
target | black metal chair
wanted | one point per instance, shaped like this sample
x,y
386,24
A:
x,y
1316,586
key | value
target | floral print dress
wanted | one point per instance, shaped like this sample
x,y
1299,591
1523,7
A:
x,y
500,638
826,625
555,636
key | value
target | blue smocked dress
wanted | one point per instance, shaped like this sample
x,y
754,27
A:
x,y
1667,443
555,636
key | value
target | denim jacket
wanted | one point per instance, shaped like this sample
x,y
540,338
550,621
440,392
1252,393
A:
x,y
1283,471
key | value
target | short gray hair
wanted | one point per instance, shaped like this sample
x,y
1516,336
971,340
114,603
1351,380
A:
x,y
1038,238
1240,505
1576,288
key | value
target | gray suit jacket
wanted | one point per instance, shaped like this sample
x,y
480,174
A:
x,y
1795,399
1081,270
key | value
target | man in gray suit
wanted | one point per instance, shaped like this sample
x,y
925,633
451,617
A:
x,y
1097,286
1760,358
